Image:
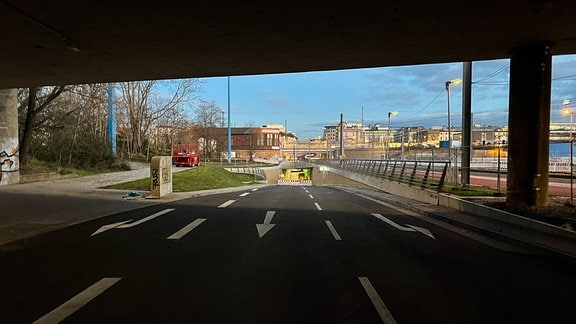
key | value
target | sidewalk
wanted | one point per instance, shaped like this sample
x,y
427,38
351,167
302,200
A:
x,y
32,208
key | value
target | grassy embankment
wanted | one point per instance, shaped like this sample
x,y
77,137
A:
x,y
200,178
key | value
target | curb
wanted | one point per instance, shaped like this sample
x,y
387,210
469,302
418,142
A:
x,y
485,230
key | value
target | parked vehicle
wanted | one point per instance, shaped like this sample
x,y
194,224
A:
x,y
185,155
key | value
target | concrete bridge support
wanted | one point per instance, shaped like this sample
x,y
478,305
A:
x,y
529,127
9,162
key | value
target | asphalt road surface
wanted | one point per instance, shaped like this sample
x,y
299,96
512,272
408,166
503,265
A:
x,y
279,254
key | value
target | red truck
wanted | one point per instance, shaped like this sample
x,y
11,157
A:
x,y
185,155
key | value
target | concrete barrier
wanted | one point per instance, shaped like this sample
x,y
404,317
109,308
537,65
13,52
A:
x,y
502,216
445,200
160,176
399,189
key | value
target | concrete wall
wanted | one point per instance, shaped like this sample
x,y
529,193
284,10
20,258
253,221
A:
x,y
9,147
322,176
403,190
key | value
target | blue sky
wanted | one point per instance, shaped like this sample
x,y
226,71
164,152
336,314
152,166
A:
x,y
307,102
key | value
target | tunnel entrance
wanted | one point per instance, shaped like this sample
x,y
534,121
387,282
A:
x,y
296,177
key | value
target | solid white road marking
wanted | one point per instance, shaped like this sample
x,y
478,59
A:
x,y
381,308
244,194
226,204
318,206
264,228
333,231
136,223
410,228
78,301
186,229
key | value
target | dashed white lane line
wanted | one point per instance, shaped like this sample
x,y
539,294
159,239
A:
x,y
255,189
186,229
333,231
381,308
78,301
311,197
318,206
226,204
244,194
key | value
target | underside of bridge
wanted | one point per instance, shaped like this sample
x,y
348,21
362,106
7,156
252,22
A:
x,y
72,42
68,41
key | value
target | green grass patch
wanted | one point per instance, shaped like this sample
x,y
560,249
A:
x,y
201,178
35,166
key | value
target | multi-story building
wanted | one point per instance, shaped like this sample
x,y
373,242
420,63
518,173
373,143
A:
x,y
352,133
419,136
248,143
489,135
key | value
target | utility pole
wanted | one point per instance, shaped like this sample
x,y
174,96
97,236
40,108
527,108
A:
x,y
112,118
341,136
229,127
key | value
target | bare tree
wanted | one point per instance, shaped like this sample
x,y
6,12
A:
x,y
208,116
38,100
143,105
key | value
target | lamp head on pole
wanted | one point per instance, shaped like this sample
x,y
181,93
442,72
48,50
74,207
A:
x,y
392,113
454,82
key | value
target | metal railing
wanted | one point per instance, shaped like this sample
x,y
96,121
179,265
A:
x,y
421,174
257,172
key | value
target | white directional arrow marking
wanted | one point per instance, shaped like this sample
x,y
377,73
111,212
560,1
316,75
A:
x,y
422,230
145,219
410,228
264,228
125,225
108,227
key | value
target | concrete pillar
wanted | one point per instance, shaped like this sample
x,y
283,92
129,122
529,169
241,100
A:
x,y
466,122
9,162
160,176
529,127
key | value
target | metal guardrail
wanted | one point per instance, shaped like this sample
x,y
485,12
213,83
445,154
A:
x,y
257,172
422,174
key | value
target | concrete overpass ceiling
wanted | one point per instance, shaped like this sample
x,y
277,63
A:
x,y
138,40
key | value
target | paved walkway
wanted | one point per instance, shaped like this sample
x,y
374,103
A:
x,y
32,208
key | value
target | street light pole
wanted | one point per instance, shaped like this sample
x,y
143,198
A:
x,y
567,111
390,114
448,83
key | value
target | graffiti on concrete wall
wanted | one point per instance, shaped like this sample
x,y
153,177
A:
x,y
9,161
